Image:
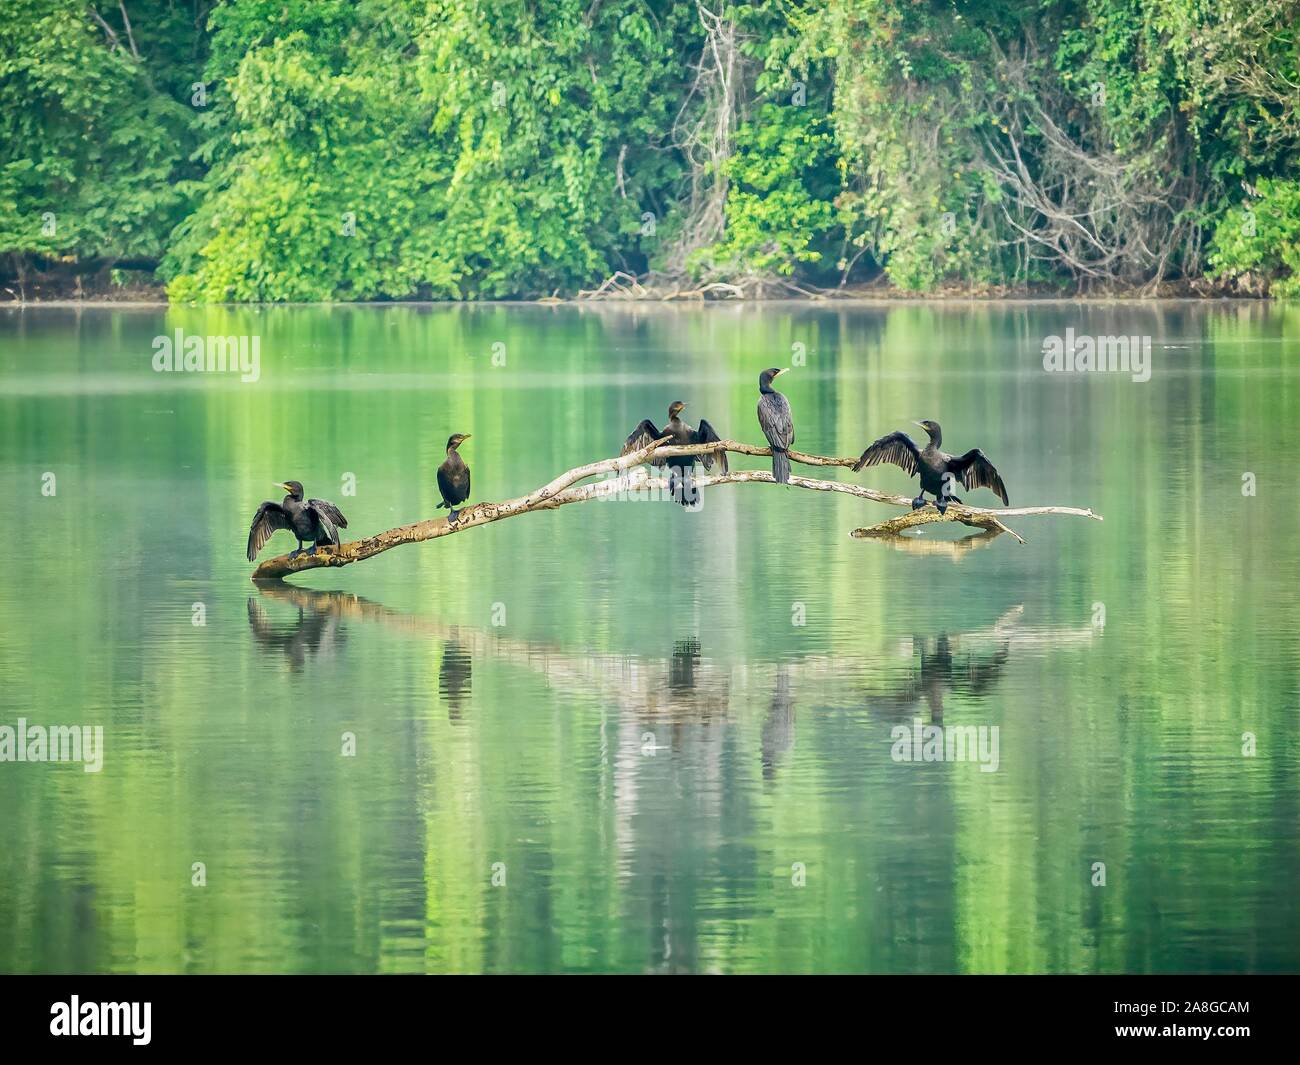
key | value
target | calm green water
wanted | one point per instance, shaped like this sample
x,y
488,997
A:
x,y
651,719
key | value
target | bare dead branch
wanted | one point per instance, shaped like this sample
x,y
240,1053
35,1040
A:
x,y
565,489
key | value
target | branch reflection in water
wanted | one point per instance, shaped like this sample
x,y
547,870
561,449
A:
x,y
676,734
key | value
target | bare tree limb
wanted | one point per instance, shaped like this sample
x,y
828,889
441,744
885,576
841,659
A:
x,y
126,23
565,489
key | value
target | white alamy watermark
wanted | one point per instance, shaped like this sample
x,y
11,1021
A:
x,y
946,743
102,1018
1080,353
636,487
204,353
53,743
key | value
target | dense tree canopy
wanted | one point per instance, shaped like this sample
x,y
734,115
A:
x,y
264,150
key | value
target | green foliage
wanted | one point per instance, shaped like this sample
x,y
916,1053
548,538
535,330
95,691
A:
x,y
461,149
779,207
93,144
1261,240
484,150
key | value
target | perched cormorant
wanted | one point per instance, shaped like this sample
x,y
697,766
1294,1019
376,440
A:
x,y
681,468
453,477
937,468
315,521
777,422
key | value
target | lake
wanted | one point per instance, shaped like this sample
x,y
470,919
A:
x,y
620,736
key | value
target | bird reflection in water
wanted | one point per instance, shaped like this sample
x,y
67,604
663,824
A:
x,y
778,727
683,665
320,631
315,634
967,663
939,671
455,677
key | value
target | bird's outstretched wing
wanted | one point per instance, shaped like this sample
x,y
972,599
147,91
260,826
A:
x,y
976,471
270,518
643,435
896,448
706,434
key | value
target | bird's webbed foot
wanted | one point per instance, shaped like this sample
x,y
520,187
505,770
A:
x,y
312,550
451,516
941,504
918,502
295,552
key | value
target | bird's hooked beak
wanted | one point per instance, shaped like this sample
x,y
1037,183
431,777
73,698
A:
x,y
284,486
780,372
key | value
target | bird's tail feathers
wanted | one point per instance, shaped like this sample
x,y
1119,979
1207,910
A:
x,y
780,466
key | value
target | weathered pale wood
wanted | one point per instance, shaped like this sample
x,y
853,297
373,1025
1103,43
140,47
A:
x,y
975,517
565,489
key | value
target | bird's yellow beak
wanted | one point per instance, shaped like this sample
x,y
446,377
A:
x,y
780,372
284,486
466,437
921,424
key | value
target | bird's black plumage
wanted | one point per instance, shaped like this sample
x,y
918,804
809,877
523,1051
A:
x,y
777,423
314,521
681,468
453,477
937,468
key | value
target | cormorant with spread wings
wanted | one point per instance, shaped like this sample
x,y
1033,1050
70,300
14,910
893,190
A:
x,y
937,468
314,521
681,468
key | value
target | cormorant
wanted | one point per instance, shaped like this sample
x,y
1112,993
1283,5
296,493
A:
x,y
453,477
313,520
777,422
937,468
681,468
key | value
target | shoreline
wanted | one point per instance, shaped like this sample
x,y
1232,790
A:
x,y
910,299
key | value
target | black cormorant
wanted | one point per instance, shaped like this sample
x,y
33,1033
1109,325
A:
x,y
453,477
315,521
937,468
681,468
777,422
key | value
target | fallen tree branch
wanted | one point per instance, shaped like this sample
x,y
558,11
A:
x,y
565,489
975,517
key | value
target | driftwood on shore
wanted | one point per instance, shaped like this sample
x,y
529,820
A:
x,y
566,489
